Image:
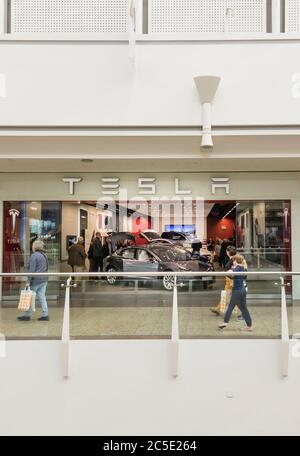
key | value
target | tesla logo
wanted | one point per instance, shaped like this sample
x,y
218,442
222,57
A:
x,y
110,185
220,182
14,213
2,86
72,181
147,185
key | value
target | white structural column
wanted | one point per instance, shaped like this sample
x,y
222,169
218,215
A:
x,y
295,219
66,332
175,332
206,122
276,16
207,87
285,336
3,16
132,30
139,16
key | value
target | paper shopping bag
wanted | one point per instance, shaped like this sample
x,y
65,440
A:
x,y
223,302
27,300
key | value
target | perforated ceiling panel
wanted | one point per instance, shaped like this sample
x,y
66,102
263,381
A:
x,y
69,16
192,16
292,15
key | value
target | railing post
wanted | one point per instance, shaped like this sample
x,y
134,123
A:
x,y
258,259
139,17
175,332
3,16
285,336
131,30
276,16
229,14
65,339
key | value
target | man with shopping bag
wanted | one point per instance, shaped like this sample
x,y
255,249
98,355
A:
x,y
38,262
27,299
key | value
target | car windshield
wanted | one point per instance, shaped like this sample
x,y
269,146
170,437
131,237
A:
x,y
168,254
151,234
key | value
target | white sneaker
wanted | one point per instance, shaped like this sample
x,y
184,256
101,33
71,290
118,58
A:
x,y
223,325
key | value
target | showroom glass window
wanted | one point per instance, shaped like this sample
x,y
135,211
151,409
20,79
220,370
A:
x,y
24,222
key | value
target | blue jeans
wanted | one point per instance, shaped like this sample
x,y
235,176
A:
x,y
40,289
238,298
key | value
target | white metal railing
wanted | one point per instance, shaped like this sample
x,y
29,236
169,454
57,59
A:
x,y
285,337
292,16
207,16
268,254
120,19
69,16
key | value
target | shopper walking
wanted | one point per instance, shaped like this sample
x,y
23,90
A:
x,y
38,262
239,295
230,253
77,256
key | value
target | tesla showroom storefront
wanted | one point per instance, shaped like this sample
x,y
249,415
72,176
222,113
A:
x,y
152,222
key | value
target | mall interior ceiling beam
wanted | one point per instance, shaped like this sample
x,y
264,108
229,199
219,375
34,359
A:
x,y
184,131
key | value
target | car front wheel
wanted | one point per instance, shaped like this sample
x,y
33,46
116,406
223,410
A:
x,y
111,279
168,282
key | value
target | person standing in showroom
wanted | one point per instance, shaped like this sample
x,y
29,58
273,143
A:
x,y
98,253
77,256
38,262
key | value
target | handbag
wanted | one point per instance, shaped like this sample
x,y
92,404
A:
x,y
223,301
27,300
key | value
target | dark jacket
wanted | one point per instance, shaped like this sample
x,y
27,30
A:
x,y
77,255
229,264
224,246
239,281
38,262
90,251
97,248
105,250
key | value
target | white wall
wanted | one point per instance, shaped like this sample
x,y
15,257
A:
x,y
95,83
125,388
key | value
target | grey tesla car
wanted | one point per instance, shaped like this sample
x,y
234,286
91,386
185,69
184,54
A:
x,y
155,258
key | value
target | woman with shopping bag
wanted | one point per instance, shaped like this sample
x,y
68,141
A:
x,y
226,292
38,262
239,295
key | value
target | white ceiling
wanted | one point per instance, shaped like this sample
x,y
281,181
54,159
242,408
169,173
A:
x,y
155,165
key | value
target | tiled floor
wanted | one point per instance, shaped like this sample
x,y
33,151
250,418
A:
x,y
143,322
125,310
